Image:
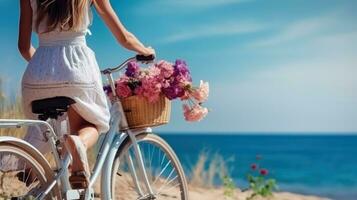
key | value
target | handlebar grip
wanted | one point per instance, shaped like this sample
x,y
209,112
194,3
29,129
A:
x,y
142,58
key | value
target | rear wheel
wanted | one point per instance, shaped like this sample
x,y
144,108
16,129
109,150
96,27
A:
x,y
163,168
21,175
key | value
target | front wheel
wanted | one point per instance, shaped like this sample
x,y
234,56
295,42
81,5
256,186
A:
x,y
164,171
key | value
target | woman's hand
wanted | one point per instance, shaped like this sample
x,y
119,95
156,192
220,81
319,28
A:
x,y
124,37
149,51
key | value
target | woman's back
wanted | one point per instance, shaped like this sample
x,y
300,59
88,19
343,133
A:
x,y
40,26
62,56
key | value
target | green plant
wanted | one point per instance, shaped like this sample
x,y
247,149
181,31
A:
x,y
228,186
258,183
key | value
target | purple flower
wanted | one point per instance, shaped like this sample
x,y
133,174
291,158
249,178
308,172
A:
x,y
133,69
180,62
107,89
181,71
173,92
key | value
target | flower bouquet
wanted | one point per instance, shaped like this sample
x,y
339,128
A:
x,y
157,85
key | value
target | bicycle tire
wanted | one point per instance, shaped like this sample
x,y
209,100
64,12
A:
x,y
43,174
162,144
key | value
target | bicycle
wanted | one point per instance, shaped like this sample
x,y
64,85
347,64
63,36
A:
x,y
136,162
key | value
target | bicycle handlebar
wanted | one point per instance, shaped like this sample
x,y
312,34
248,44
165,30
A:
x,y
139,58
142,58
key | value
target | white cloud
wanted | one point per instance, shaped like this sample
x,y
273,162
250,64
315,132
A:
x,y
215,29
299,29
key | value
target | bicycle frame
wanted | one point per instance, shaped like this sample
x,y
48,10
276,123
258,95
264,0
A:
x,y
107,151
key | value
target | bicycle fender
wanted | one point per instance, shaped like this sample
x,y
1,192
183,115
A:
x,y
22,144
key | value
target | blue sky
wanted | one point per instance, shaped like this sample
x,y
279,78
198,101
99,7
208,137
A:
x,y
273,65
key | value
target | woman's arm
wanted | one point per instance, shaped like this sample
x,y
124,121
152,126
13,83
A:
x,y
25,28
124,37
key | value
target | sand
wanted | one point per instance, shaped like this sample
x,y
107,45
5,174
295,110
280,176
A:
x,y
195,192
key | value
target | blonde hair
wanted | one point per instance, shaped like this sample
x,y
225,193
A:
x,y
65,14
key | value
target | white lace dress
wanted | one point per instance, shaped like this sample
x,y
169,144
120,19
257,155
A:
x,y
64,65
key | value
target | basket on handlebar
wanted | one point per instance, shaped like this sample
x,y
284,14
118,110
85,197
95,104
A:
x,y
140,113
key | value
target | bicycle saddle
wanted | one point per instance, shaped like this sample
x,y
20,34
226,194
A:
x,y
51,107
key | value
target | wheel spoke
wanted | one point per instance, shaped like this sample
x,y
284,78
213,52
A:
x,y
28,175
162,171
163,158
24,174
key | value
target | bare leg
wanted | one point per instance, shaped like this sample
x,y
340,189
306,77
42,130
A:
x,y
87,132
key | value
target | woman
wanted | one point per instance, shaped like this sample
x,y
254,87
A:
x,y
63,65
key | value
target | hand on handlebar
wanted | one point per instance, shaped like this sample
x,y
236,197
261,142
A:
x,y
147,56
139,58
149,51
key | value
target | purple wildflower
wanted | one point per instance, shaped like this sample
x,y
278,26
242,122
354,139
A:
x,y
181,70
133,69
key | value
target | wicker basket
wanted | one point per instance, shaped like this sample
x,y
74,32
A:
x,y
140,113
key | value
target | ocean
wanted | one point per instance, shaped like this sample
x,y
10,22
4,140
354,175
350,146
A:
x,y
323,165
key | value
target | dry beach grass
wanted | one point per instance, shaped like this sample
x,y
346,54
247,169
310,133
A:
x,y
10,110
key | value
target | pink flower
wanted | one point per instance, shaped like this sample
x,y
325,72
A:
x,y
166,68
123,90
194,113
202,92
150,89
153,71
264,172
